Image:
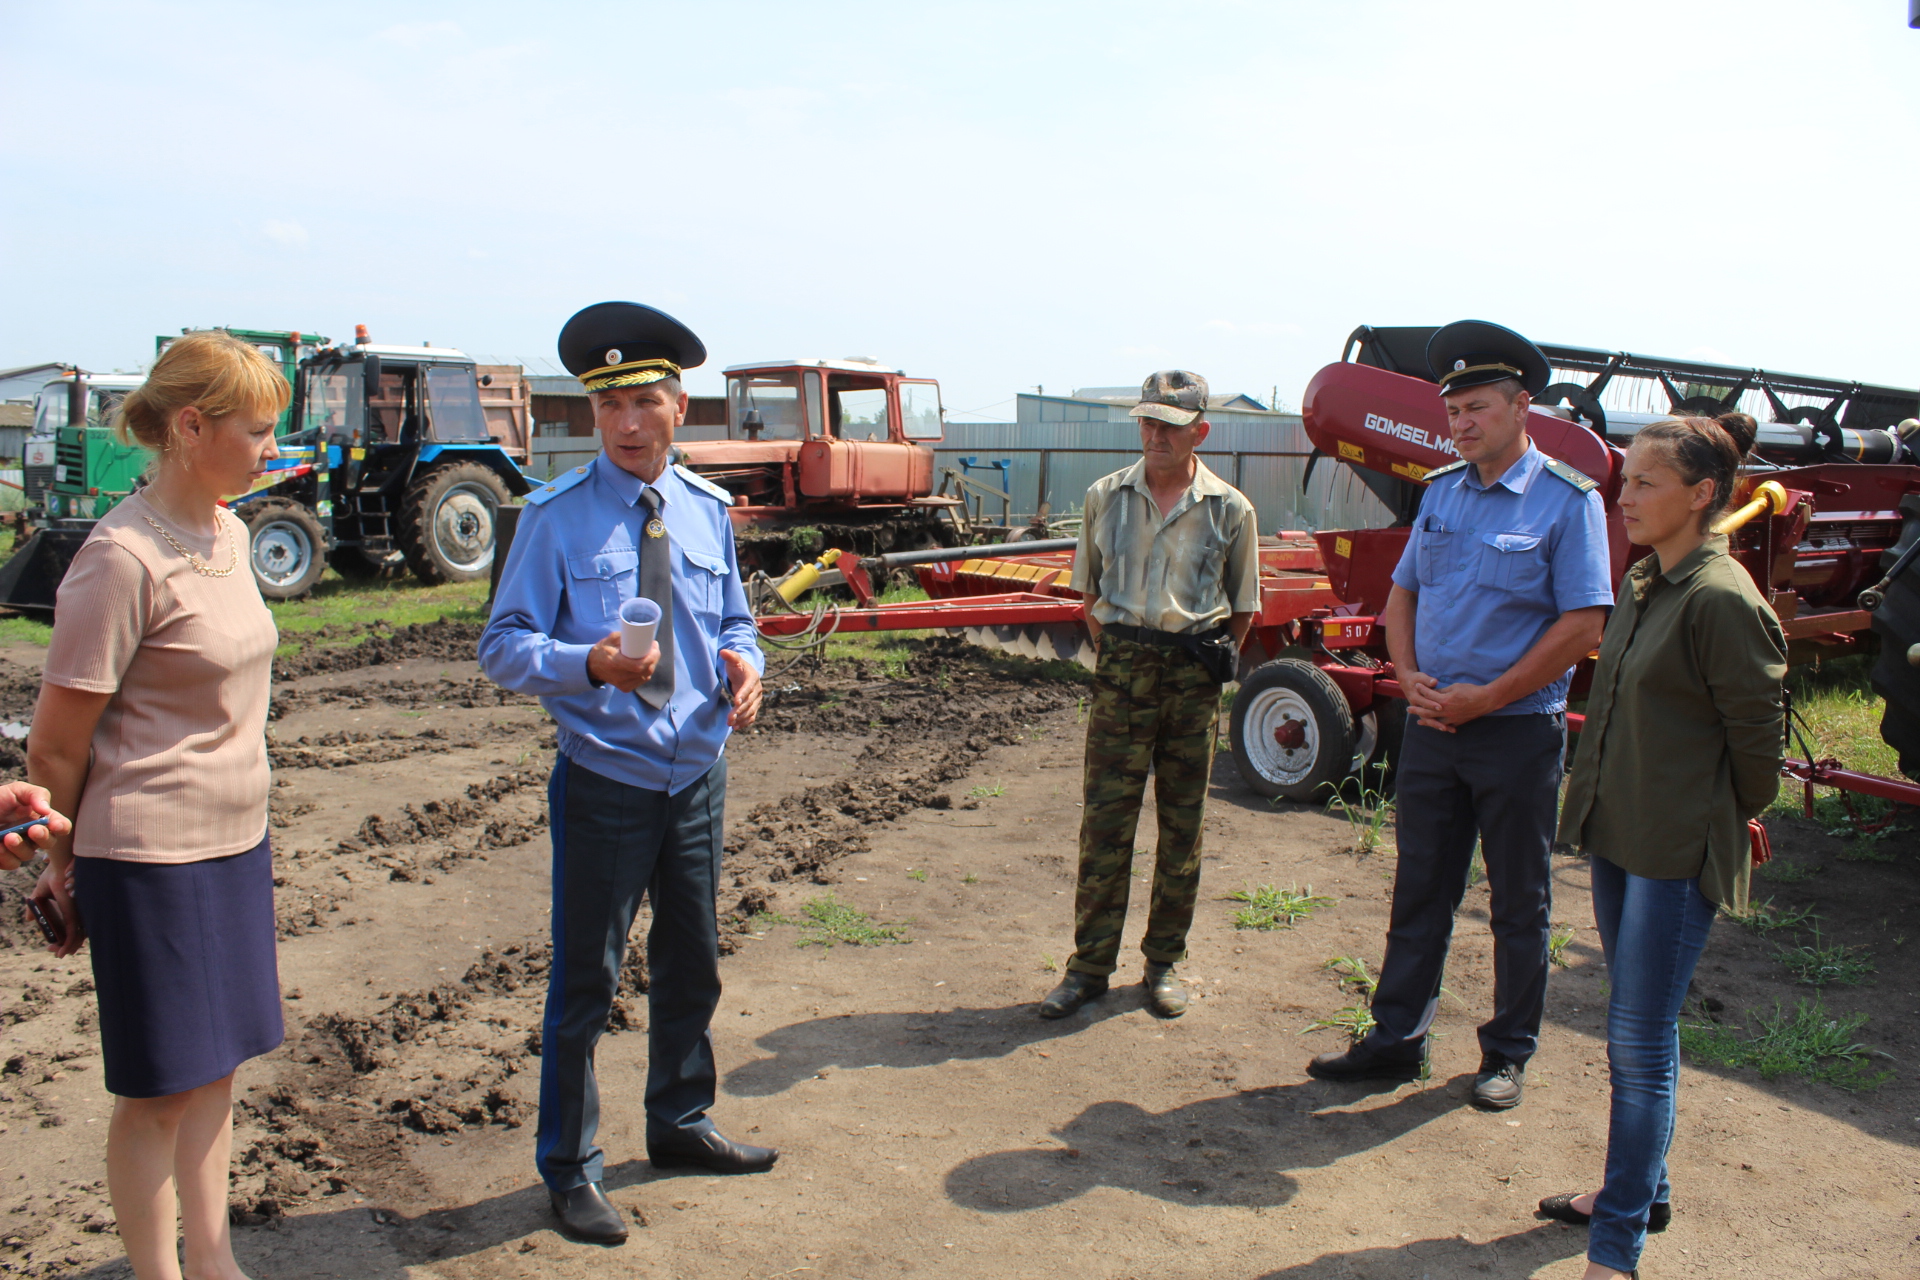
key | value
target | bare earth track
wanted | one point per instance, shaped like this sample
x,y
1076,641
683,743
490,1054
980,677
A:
x,y
929,1123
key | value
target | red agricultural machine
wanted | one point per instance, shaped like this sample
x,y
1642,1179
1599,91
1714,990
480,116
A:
x,y
840,448
1828,523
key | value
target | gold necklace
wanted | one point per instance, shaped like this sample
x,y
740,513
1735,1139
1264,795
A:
x,y
194,562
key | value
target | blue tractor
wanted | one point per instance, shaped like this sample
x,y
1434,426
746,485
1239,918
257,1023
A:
x,y
388,467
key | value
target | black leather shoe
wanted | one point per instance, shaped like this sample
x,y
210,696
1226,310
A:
x,y
586,1214
1499,1084
1560,1209
1349,1065
1165,995
1074,990
713,1153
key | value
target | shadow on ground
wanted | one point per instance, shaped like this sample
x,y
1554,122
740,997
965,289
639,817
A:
x,y
1235,1150
1520,1254
916,1039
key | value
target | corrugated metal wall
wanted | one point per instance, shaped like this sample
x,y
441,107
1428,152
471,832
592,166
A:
x,y
1060,446
1262,455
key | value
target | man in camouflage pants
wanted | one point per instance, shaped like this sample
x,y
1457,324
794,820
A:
x,y
1169,565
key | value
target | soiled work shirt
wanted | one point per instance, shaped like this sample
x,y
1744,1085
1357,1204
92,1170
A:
x,y
1186,573
1495,565
575,561
1683,736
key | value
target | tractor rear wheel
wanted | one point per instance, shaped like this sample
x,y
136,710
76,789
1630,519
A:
x,y
288,552
1292,731
447,522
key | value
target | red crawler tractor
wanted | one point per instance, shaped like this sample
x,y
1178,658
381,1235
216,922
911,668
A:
x,y
1827,523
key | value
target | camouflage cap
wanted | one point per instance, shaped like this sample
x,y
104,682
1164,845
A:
x,y
1173,395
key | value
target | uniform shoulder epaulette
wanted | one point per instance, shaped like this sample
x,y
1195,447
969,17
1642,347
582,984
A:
x,y
703,484
555,487
1449,469
1572,475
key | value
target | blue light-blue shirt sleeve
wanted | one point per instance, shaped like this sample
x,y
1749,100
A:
x,y
737,631
518,650
1582,565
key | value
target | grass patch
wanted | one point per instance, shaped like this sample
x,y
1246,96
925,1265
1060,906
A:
x,y
1839,713
1353,971
917,874
1367,813
25,630
1557,945
1762,916
827,920
1807,1042
1818,965
399,602
987,793
1476,867
1869,846
1356,1020
969,878
1269,908
1780,872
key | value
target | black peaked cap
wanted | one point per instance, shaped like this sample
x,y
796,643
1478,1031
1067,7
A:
x,y
628,332
1472,353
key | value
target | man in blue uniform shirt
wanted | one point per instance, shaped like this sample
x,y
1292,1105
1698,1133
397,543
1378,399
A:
x,y
1503,587
639,788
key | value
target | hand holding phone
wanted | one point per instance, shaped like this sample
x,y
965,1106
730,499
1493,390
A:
x,y
47,920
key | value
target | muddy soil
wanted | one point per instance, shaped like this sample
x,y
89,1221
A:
x,y
929,1122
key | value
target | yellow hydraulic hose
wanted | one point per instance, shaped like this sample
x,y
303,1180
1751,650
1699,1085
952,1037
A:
x,y
1768,493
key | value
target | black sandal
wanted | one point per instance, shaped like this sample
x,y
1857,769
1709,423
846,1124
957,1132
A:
x,y
1560,1209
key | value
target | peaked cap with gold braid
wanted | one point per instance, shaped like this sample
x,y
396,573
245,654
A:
x,y
625,344
1472,353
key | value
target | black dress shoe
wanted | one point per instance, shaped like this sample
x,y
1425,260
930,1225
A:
x,y
711,1152
1074,990
1349,1065
1499,1084
586,1214
1560,1209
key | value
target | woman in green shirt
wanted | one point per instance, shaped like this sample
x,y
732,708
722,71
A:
x,y
1681,746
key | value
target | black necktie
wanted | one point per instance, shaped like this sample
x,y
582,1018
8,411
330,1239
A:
x,y
656,584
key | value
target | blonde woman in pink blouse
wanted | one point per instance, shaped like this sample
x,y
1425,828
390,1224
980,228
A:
x,y
151,732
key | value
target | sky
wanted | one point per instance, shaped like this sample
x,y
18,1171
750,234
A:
x,y
1002,196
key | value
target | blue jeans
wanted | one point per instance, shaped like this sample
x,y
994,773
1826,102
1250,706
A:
x,y
1653,932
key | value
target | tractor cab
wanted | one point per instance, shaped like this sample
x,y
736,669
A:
x,y
853,400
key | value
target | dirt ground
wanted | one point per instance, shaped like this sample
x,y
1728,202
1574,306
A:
x,y
929,1123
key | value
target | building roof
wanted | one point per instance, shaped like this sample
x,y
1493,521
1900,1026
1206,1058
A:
x,y
16,415
1131,396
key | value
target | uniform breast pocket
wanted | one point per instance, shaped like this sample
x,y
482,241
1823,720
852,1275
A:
x,y
606,578
706,577
1513,561
1433,556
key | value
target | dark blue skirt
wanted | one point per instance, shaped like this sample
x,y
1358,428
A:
x,y
184,967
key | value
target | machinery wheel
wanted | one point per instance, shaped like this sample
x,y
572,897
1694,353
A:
x,y
355,565
446,522
288,547
1292,731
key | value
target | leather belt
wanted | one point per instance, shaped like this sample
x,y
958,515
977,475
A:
x,y
1164,639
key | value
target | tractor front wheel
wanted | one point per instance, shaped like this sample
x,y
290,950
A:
x,y
288,552
1292,731
447,522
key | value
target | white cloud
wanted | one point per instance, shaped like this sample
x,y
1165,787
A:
x,y
291,234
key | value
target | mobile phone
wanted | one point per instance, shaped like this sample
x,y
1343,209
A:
x,y
52,932
20,829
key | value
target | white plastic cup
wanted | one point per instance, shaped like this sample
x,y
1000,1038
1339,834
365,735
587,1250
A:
x,y
639,618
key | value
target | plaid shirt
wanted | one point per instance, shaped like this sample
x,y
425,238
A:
x,y
1186,573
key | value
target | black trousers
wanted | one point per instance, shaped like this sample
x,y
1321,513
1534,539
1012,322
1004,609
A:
x,y
612,844
1497,778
